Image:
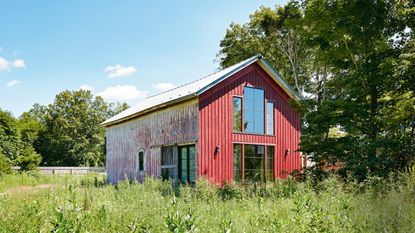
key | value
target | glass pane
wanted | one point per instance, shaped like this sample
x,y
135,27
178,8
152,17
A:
x,y
270,163
167,156
183,153
259,122
249,121
270,118
249,104
249,93
237,156
254,110
192,176
237,114
254,163
141,161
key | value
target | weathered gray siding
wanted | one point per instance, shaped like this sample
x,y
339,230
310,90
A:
x,y
174,124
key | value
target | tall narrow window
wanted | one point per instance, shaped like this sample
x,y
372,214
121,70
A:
x,y
270,163
254,110
141,161
254,163
237,166
270,118
237,114
187,163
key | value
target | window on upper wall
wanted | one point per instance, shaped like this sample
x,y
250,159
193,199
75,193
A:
x,y
270,118
141,161
254,110
237,114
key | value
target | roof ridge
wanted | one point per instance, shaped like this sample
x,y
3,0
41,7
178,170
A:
x,y
206,76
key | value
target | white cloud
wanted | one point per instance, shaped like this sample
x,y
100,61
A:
x,y
122,93
12,83
119,71
7,65
19,63
4,64
86,87
164,86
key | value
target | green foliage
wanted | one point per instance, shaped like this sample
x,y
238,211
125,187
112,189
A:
x,y
276,34
70,203
356,61
5,167
9,136
28,159
68,131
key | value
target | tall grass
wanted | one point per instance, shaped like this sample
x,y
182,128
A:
x,y
87,204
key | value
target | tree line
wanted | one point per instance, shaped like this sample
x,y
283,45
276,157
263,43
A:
x,y
353,62
66,132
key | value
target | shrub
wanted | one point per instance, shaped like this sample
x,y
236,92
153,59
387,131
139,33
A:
x,y
28,160
5,167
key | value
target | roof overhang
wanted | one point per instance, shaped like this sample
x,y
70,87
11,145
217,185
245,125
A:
x,y
149,110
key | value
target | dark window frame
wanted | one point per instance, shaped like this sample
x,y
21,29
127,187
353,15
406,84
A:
x,y
180,165
233,114
273,117
265,162
244,109
141,161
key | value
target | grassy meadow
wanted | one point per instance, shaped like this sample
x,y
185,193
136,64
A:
x,y
41,203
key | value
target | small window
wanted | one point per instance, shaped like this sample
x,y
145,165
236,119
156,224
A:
x,y
270,118
237,114
141,161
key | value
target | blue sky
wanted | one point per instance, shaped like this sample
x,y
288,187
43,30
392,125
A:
x,y
121,50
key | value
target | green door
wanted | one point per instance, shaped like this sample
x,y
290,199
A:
x,y
187,163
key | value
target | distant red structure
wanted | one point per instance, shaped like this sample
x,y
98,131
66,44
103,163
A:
x,y
236,124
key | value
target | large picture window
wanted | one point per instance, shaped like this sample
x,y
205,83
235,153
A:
x,y
270,118
254,110
258,163
237,114
253,163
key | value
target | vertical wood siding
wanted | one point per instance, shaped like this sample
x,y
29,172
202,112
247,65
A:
x,y
175,124
216,126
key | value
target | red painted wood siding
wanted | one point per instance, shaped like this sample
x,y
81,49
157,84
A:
x,y
216,126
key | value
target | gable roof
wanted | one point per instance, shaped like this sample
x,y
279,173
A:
x,y
196,88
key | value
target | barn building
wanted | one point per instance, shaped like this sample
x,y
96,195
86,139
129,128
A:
x,y
235,124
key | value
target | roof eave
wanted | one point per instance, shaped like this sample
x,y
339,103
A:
x,y
281,82
154,108
230,73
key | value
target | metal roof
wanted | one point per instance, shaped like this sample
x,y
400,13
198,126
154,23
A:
x,y
194,89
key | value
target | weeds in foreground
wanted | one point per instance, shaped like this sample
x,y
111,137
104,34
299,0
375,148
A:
x,y
88,204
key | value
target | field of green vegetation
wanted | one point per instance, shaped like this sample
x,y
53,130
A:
x,y
40,203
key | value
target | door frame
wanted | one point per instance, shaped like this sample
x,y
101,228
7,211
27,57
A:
x,y
179,162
